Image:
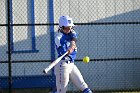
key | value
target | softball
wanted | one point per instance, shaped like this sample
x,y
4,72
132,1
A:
x,y
86,59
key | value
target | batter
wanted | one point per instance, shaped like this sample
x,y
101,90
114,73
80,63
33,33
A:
x,y
66,70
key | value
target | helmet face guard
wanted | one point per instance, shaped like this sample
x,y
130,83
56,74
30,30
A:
x,y
65,21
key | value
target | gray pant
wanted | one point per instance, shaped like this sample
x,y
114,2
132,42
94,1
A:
x,y
66,71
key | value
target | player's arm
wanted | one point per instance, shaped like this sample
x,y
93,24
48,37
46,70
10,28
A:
x,y
60,46
73,42
72,46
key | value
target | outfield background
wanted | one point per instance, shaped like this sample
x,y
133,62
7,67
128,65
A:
x,y
108,32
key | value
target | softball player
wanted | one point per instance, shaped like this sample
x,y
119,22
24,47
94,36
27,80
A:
x,y
66,70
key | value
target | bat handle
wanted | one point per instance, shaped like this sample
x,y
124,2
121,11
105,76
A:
x,y
46,70
53,64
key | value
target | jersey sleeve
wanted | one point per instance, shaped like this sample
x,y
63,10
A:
x,y
57,42
74,35
60,46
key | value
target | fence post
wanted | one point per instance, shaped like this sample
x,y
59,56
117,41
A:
x,y
9,47
51,20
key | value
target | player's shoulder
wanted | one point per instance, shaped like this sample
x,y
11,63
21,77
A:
x,y
58,35
73,32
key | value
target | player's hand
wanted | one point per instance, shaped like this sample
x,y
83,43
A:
x,y
72,47
70,50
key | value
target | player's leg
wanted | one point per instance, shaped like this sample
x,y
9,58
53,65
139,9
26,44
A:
x,y
78,80
62,71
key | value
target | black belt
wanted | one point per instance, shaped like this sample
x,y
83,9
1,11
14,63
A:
x,y
68,61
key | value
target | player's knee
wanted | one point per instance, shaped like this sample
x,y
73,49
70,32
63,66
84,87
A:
x,y
87,90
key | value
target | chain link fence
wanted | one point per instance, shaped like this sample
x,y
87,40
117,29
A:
x,y
108,32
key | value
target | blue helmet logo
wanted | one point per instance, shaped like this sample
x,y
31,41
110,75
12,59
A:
x,y
69,21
